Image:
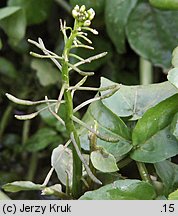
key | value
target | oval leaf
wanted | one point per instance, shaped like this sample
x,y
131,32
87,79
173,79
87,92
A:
x,y
165,4
122,190
154,120
10,17
103,161
153,26
159,147
151,136
116,16
22,186
61,160
135,100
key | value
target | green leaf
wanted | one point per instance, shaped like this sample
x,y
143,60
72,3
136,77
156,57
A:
x,y
97,5
168,173
41,139
122,190
154,120
174,126
103,161
153,26
36,11
116,16
165,4
159,147
151,135
7,68
173,76
22,186
61,160
46,72
173,196
135,100
13,22
109,126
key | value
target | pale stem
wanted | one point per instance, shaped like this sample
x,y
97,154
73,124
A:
x,y
86,103
54,114
146,72
88,60
83,73
59,98
83,161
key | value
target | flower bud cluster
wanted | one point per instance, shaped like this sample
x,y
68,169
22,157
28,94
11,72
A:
x,y
82,15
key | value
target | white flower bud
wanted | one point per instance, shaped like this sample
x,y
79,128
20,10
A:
x,y
91,13
74,13
82,9
87,23
77,8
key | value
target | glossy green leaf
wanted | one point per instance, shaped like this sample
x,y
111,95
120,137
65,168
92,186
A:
x,y
61,160
41,139
151,135
46,72
173,195
97,5
168,173
146,24
13,22
154,120
22,186
109,126
134,101
103,161
175,57
165,4
116,16
159,147
122,190
36,10
174,126
7,68
173,76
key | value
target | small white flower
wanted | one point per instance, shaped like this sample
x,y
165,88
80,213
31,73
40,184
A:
x,y
75,13
91,13
77,8
82,9
87,23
